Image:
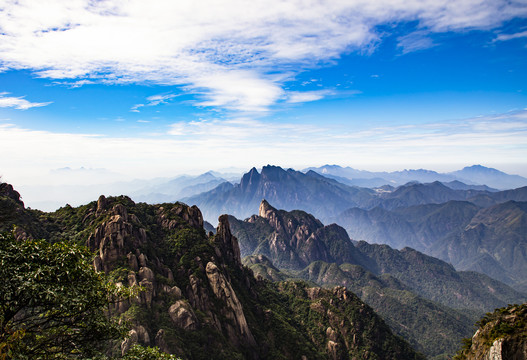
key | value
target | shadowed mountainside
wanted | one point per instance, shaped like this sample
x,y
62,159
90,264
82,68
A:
x,y
406,287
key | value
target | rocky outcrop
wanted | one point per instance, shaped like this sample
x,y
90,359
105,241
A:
x,y
353,330
160,341
296,239
502,335
130,341
13,214
226,243
190,215
113,237
183,316
237,328
8,191
138,335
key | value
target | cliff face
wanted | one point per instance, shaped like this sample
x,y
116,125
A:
x,y
502,335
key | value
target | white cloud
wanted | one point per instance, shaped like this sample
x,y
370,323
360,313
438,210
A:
x,y
415,41
74,84
305,96
235,54
136,107
506,37
159,99
18,102
153,100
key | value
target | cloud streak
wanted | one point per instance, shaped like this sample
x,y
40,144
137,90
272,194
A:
x,y
18,103
232,54
153,100
507,37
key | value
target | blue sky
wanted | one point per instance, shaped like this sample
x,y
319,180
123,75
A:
x,y
164,88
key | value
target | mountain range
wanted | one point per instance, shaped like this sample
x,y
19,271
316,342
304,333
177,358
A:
x,y
432,217
288,189
49,197
437,254
405,286
490,240
327,198
471,175
197,299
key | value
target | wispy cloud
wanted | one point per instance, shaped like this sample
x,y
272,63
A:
x,y
233,54
153,100
306,96
74,84
18,102
415,41
506,37
159,99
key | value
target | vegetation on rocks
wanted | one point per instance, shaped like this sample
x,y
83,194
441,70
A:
x,y
197,301
501,334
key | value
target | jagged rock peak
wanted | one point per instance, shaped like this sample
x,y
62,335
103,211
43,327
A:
x,y
250,180
120,210
228,244
7,190
273,173
101,204
191,214
265,209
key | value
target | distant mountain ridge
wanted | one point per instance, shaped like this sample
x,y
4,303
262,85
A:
x,y
491,240
326,197
157,190
288,189
470,175
177,188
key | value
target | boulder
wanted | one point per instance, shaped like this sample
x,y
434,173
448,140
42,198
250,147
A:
x,y
183,316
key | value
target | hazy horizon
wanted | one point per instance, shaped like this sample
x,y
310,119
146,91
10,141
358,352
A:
x,y
79,186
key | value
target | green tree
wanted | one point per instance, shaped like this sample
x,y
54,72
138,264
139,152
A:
x,y
53,304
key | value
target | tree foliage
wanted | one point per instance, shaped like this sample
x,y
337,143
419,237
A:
x,y
138,352
52,302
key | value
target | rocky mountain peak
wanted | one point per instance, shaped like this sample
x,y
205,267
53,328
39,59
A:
x,y
265,209
273,173
227,243
250,180
101,204
7,190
